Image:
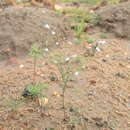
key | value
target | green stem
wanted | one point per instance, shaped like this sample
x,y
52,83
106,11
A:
x,y
64,102
34,70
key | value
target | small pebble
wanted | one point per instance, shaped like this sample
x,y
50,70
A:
x,y
71,109
70,42
90,109
52,78
26,93
99,124
43,63
42,75
44,101
55,94
107,56
125,53
128,66
92,82
43,11
121,75
104,60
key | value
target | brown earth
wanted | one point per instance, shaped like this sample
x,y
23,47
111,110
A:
x,y
99,93
20,27
116,19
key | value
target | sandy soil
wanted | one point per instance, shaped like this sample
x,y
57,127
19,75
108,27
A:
x,y
99,92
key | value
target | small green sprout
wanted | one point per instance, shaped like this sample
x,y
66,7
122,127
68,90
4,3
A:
x,y
79,29
14,104
37,89
95,20
77,41
34,89
90,41
58,13
103,36
65,73
77,59
35,53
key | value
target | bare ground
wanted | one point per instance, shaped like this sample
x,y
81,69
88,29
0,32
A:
x,y
100,91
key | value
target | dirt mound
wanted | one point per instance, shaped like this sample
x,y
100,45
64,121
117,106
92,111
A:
x,y
116,19
20,27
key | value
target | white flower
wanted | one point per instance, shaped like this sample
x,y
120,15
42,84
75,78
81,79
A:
x,y
47,26
57,43
98,49
91,11
53,33
67,59
76,73
46,49
21,66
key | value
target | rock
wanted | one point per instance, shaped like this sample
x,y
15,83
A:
x,y
121,75
26,93
92,82
53,78
43,101
55,94
99,124
104,60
